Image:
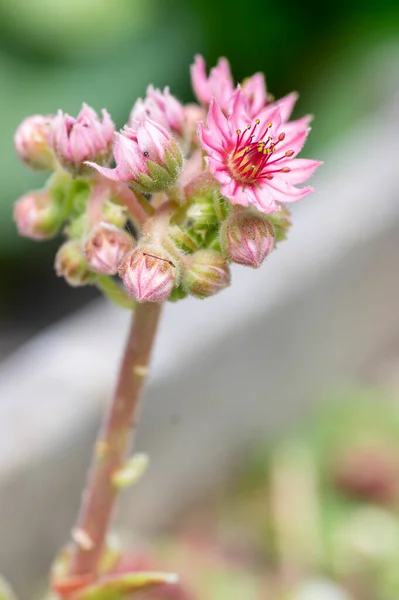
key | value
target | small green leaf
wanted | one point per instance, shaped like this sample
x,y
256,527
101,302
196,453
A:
x,y
119,587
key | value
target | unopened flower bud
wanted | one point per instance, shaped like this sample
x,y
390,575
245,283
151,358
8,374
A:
x,y
86,138
106,247
148,158
207,273
32,143
71,263
37,215
247,238
161,107
149,274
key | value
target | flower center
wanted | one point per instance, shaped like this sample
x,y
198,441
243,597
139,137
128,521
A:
x,y
252,161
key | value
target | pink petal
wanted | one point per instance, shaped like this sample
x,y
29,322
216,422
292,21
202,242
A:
x,y
283,191
234,192
301,169
255,90
270,114
262,199
239,110
217,122
87,113
210,142
199,80
108,173
294,140
286,105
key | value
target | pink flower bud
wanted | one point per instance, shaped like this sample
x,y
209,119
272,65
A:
x,y
85,138
106,247
32,142
147,157
37,216
207,273
160,107
71,263
149,274
247,238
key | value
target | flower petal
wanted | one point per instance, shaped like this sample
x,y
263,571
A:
x,y
255,90
283,191
286,105
301,169
217,122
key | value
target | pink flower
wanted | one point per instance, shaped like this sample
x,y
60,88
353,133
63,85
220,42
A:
x,y
149,274
146,157
254,160
106,247
220,86
85,138
161,107
32,142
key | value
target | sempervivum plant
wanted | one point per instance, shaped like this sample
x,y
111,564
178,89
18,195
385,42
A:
x,y
203,185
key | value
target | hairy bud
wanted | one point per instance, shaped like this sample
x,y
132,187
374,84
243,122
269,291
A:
x,y
149,274
148,158
247,238
207,273
106,247
71,263
37,216
32,143
86,138
161,107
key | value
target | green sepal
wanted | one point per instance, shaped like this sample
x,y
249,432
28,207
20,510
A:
x,y
161,178
212,239
178,293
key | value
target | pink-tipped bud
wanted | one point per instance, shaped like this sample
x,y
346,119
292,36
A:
x,y
246,238
86,138
37,216
149,274
147,158
161,107
207,273
32,143
71,263
106,247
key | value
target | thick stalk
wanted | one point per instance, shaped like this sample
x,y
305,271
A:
x,y
112,444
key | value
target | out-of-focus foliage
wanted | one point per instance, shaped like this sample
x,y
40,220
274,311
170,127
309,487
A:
x,y
314,514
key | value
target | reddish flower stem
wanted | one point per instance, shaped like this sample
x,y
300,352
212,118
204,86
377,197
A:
x,y
110,450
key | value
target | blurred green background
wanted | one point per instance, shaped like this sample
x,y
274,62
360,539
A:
x,y
56,54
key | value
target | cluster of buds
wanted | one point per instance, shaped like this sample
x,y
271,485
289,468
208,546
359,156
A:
x,y
176,196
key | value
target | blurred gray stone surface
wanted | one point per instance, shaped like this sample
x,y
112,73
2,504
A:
x,y
225,371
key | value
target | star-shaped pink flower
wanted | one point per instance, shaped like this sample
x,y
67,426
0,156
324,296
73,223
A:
x,y
254,159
